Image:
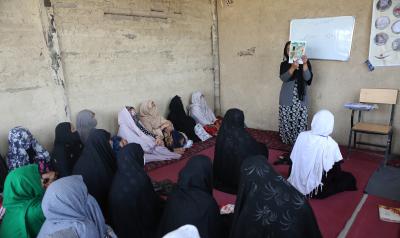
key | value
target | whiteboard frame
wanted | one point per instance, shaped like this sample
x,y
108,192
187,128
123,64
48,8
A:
x,y
351,19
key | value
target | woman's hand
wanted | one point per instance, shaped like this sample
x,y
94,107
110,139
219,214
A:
x,y
305,61
159,141
179,150
48,178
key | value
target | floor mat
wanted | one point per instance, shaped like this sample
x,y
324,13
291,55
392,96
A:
x,y
332,213
368,224
385,183
270,138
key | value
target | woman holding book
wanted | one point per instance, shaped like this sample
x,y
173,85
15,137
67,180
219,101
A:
x,y
293,99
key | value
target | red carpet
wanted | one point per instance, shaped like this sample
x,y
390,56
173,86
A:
x,y
271,138
332,213
368,224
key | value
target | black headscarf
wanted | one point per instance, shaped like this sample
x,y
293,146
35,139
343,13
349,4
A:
x,y
180,120
192,201
67,149
135,208
268,206
3,172
297,74
234,144
97,166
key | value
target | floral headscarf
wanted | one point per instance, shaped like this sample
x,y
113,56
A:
x,y
20,140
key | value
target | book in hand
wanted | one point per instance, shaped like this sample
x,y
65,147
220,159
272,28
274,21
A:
x,y
296,51
389,214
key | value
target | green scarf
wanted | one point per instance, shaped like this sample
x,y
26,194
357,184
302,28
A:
x,y
23,195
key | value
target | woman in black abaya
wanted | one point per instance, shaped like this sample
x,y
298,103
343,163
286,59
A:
x,y
234,144
192,201
97,165
180,120
268,206
135,208
67,149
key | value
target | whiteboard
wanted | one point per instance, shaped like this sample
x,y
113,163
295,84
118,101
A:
x,y
327,38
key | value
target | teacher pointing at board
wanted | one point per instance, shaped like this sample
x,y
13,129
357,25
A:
x,y
293,98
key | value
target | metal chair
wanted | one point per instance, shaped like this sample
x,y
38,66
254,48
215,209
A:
x,y
377,96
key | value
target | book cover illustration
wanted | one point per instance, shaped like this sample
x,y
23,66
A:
x,y
296,51
389,214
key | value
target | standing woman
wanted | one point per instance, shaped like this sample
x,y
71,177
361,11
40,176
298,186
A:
x,y
293,98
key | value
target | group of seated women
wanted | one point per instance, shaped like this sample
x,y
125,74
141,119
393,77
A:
x,y
102,188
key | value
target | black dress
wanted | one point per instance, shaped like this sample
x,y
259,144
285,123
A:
x,y
67,149
234,144
3,172
192,201
268,206
180,120
335,181
97,166
135,208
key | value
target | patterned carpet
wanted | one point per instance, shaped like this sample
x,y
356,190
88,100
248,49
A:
x,y
270,138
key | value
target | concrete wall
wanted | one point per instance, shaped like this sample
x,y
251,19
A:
x,y
29,96
115,60
251,81
108,60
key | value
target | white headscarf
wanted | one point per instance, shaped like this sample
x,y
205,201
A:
x,y
200,111
129,131
186,231
313,153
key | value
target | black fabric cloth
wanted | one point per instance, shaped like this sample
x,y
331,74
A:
x,y
135,208
192,201
97,165
3,172
297,75
268,206
180,120
234,144
335,181
67,149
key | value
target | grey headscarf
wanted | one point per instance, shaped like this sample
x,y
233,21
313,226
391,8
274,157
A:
x,y
85,121
67,204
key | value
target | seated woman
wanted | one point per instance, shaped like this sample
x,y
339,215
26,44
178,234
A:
x,y
234,144
24,149
180,120
85,121
268,206
203,114
131,129
151,118
67,205
162,128
97,165
23,193
192,201
135,208
316,161
67,149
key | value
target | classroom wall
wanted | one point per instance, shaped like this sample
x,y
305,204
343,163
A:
x,y
29,96
252,36
108,60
